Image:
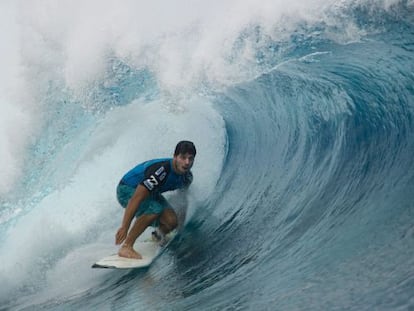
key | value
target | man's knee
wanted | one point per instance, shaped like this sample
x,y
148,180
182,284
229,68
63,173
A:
x,y
169,219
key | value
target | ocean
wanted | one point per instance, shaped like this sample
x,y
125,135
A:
x,y
303,118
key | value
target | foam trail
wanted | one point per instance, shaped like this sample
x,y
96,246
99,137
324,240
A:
x,y
70,216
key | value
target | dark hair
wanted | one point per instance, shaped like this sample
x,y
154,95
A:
x,y
184,147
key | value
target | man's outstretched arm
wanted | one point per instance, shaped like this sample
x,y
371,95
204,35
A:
x,y
141,193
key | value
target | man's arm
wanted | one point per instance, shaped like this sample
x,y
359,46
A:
x,y
141,193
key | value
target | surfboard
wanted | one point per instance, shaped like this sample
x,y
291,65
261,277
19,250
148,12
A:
x,y
147,247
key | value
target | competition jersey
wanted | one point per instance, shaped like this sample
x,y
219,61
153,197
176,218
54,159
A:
x,y
157,176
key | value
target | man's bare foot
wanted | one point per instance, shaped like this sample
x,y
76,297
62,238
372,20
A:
x,y
128,252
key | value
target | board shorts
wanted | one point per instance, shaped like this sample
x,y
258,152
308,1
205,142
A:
x,y
155,204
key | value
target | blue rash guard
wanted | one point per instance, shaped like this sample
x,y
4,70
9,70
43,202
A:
x,y
157,176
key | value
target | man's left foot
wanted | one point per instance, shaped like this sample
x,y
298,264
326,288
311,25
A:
x,y
128,252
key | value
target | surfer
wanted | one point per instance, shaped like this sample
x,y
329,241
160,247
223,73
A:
x,y
139,192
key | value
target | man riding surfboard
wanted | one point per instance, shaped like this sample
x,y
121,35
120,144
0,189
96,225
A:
x,y
139,192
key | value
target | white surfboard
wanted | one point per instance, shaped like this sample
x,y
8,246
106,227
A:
x,y
148,248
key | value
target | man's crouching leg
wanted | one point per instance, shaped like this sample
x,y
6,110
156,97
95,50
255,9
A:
x,y
168,220
141,223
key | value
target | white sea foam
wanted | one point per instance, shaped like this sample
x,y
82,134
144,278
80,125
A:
x,y
182,43
84,209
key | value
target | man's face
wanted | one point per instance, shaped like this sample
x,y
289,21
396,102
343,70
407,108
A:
x,y
183,162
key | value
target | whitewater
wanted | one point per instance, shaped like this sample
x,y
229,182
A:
x,y
303,118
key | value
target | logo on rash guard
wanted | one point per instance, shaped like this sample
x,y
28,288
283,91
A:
x,y
159,171
151,182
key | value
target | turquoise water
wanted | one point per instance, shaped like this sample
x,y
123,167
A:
x,y
302,115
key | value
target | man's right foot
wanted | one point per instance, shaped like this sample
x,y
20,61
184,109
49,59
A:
x,y
128,252
158,236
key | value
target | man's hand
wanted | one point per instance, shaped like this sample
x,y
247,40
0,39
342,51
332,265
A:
x,y
121,235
